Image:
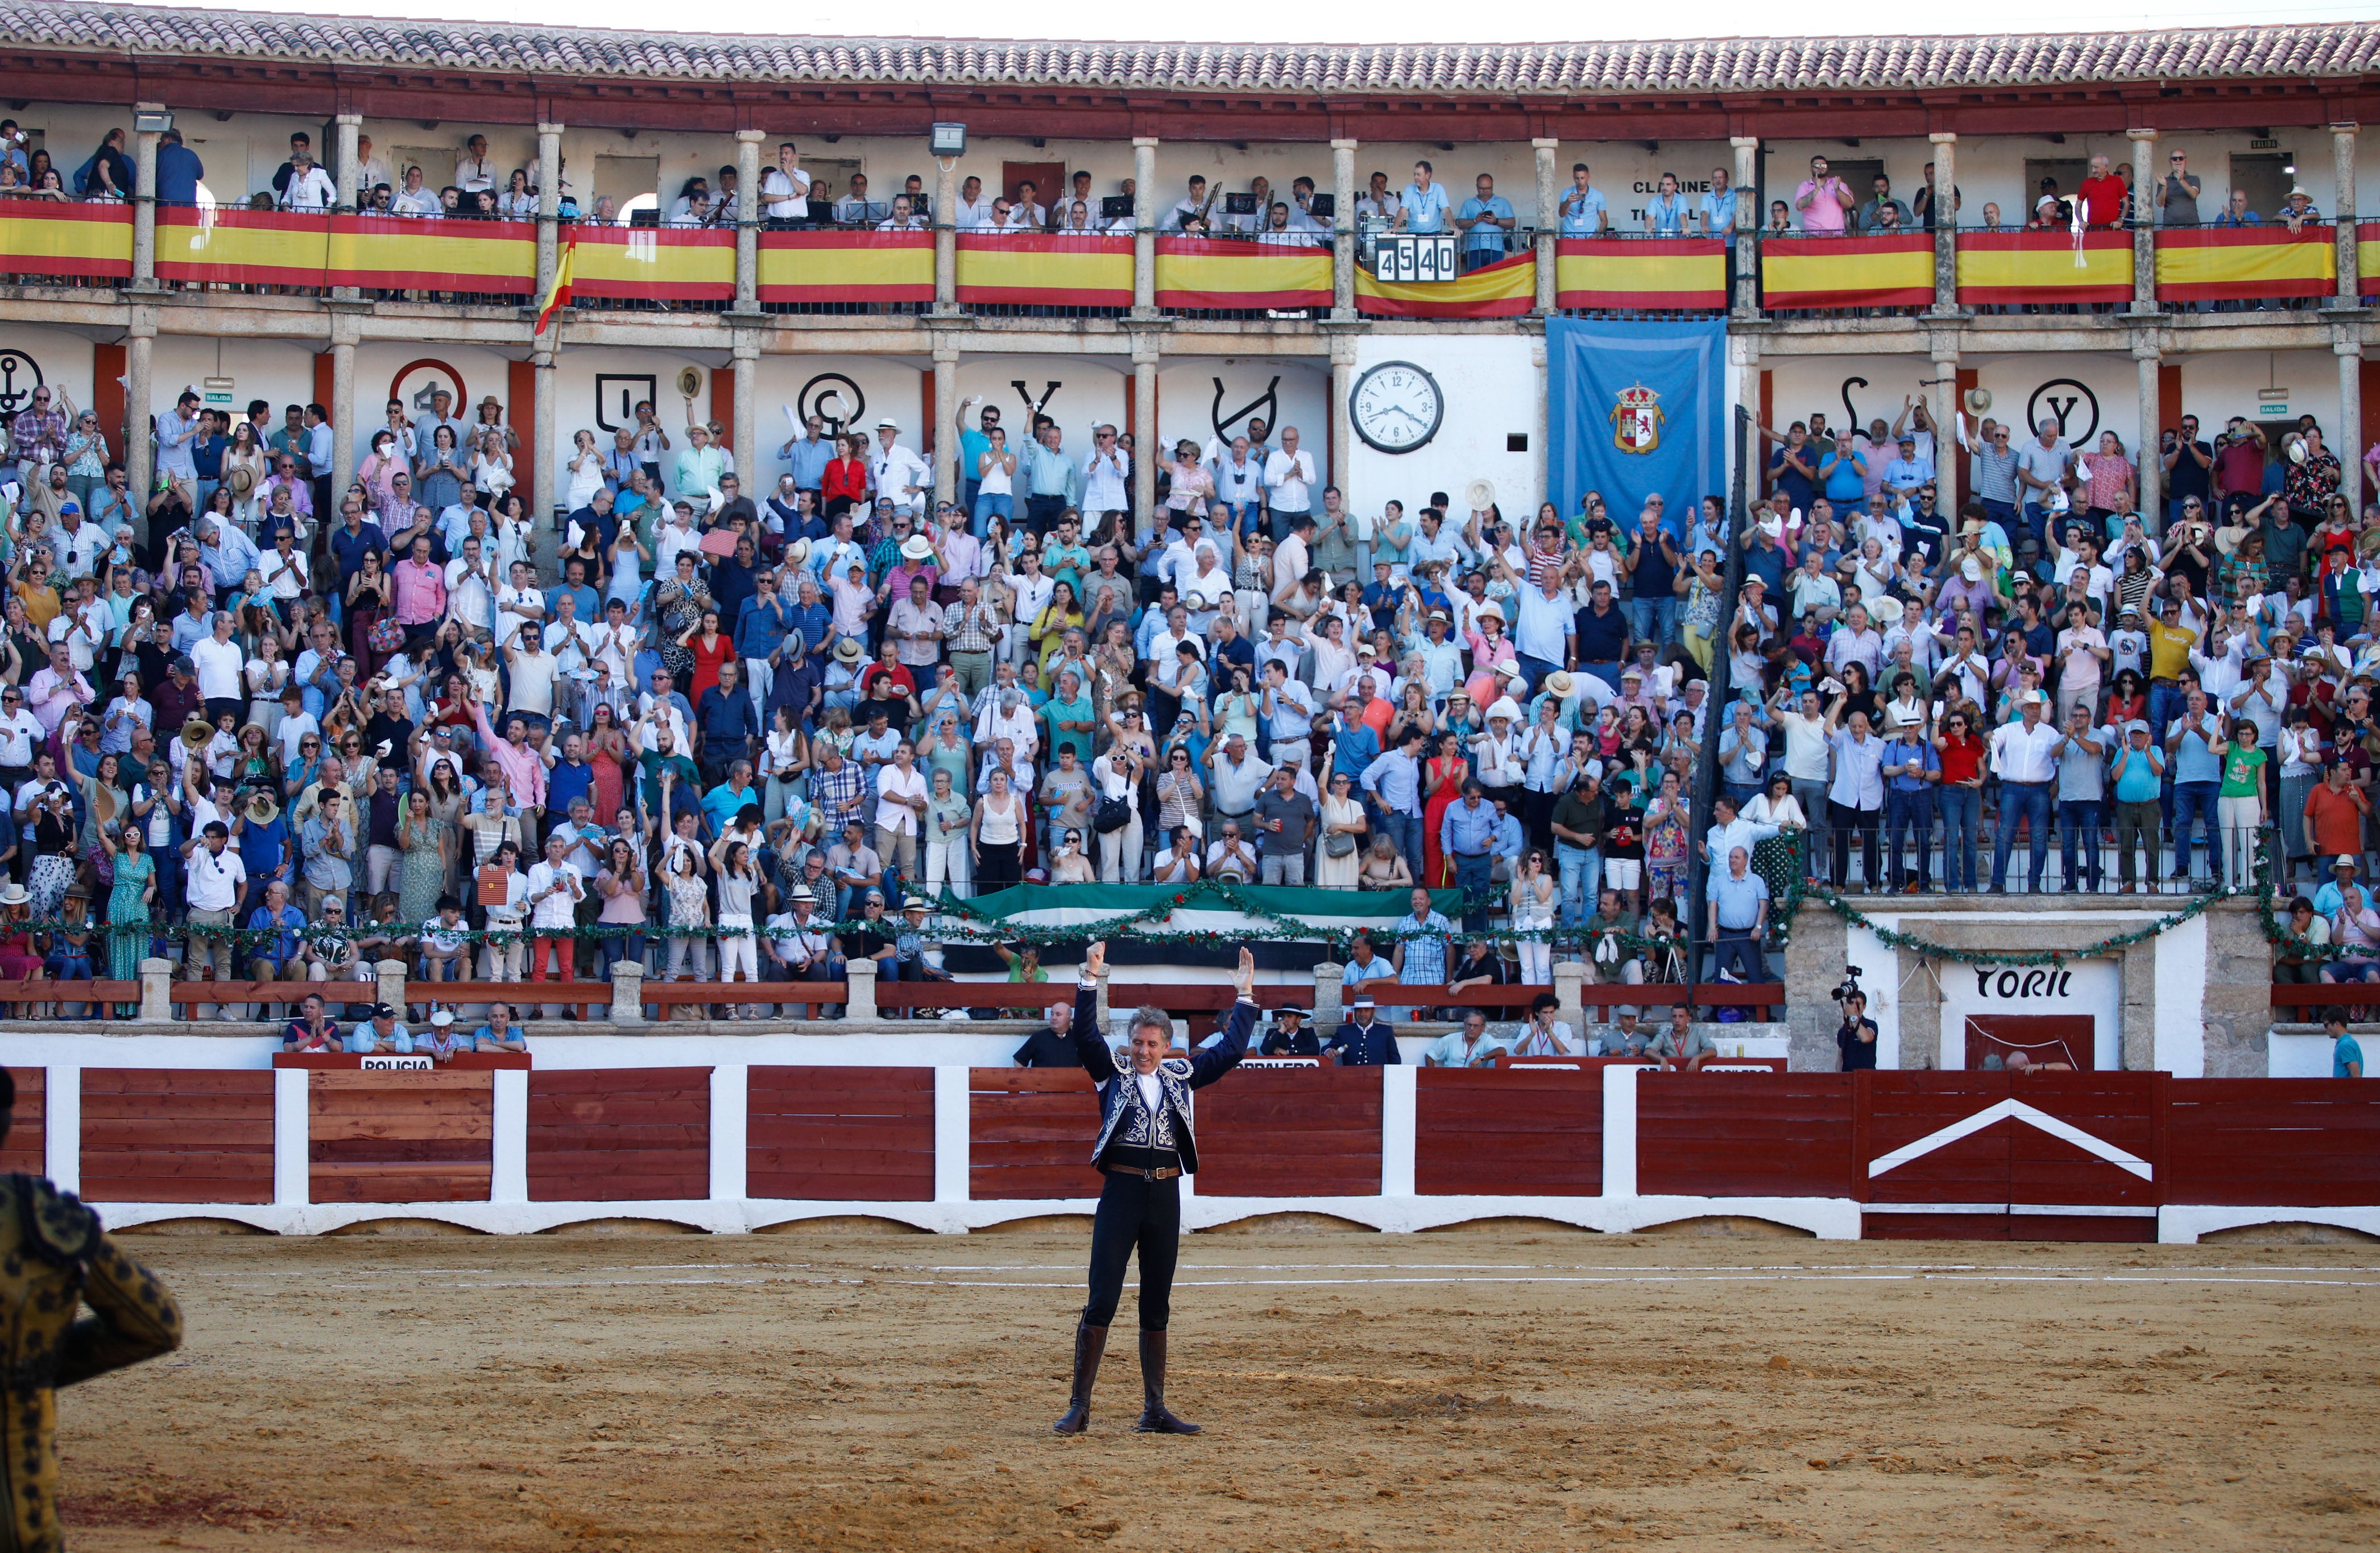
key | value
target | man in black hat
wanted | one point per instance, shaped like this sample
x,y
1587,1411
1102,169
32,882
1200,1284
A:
x,y
1290,1036
1362,1041
54,1258
1144,1147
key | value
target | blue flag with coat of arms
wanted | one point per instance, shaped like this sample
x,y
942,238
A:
x,y
1633,409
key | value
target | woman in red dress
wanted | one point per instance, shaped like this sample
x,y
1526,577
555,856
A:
x,y
607,752
844,484
1443,778
710,647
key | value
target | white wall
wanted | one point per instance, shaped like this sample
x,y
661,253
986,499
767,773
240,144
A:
x,y
1188,405
258,369
2221,385
59,358
1492,387
2088,988
1090,389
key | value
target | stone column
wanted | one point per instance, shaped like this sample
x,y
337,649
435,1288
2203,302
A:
x,y
2347,341
1946,231
946,440
2343,173
391,976
1342,229
549,213
1569,986
1144,226
627,992
350,165
747,232
1328,979
1747,225
347,167
859,976
1947,408
343,408
541,476
144,210
2146,356
1143,424
1548,220
946,235
1343,427
139,449
745,344
156,991
2144,182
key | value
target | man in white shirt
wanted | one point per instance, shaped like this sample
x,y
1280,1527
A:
x,y
1289,477
218,661
554,890
785,188
416,198
973,212
370,171
2025,754
897,471
78,544
1104,473
20,734
899,800
473,171
1026,213
470,586
215,884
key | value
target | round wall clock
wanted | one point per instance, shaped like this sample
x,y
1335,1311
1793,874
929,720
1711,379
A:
x,y
1396,406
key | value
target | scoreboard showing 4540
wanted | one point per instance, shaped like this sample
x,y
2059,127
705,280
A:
x,y
1416,257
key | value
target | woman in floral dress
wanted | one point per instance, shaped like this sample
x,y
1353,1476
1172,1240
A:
x,y
1665,841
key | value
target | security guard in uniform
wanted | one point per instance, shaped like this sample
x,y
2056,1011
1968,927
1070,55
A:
x,y
1364,1041
53,1259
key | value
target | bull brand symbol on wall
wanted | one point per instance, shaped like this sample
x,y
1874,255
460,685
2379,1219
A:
x,y
1269,401
834,399
1636,419
20,375
617,394
2048,403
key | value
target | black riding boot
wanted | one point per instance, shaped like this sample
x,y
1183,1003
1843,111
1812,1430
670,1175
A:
x,y
1090,1344
1154,1419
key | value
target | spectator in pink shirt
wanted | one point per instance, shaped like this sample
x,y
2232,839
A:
x,y
421,587
1824,201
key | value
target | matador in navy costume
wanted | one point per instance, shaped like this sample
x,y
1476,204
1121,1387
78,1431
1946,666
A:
x,y
1145,1148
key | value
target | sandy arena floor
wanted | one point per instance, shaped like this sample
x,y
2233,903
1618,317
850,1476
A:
x,y
1507,1390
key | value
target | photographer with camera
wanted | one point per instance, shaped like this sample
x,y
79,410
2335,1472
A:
x,y
1855,1037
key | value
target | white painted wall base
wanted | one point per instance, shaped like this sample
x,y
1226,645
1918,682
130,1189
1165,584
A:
x,y
2184,1225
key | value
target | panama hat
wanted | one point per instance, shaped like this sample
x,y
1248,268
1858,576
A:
x,y
916,547
262,809
847,650
198,733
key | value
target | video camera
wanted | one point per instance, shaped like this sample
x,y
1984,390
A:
x,y
1848,988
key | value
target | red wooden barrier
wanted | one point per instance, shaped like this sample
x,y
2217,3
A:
x,y
176,1135
1291,1133
1494,1131
1029,1133
401,1137
619,1134
858,1134
1784,1135
2010,1160
2310,998
26,1148
2258,1143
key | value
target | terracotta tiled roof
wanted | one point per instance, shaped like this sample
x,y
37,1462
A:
x,y
2329,49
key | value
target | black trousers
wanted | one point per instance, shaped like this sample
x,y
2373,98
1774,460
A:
x,y
1135,1211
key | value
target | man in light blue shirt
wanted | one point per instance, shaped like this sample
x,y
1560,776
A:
x,y
1466,837
1904,475
1424,204
807,456
1484,219
1051,480
1739,899
974,443
1393,782
383,1034
1666,212
1718,208
1582,206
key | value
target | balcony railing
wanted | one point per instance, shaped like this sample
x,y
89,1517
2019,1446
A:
x,y
862,271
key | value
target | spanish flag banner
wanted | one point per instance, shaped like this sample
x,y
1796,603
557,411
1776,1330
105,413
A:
x,y
44,237
2009,267
846,267
1056,270
2367,258
654,264
408,254
1647,274
565,270
2234,263
1896,271
1505,289
1204,273
236,247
